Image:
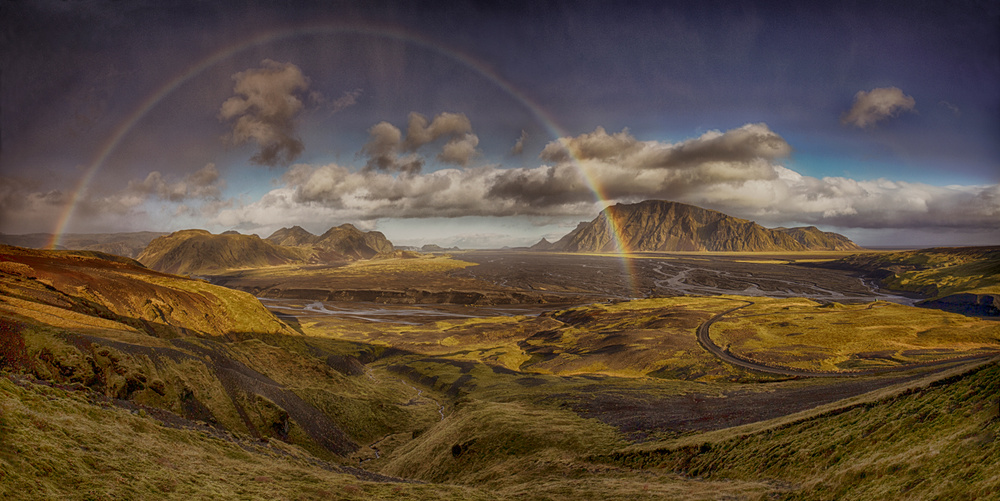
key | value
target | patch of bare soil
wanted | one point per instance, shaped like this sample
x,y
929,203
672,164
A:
x,y
639,414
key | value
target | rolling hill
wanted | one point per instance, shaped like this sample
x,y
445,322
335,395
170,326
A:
x,y
198,251
195,252
338,243
959,279
656,225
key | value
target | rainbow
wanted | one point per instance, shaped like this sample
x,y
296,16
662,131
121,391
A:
x,y
387,32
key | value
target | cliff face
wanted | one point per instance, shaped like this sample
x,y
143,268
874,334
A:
x,y
656,225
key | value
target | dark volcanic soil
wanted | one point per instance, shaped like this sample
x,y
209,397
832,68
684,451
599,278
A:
x,y
638,414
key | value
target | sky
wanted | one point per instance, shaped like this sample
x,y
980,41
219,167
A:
x,y
490,124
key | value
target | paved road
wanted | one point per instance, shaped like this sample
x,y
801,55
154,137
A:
x,y
706,342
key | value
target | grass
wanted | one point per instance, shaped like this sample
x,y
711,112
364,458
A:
x,y
830,337
936,272
934,442
56,445
496,407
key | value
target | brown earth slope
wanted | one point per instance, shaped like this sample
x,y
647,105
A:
x,y
59,287
657,225
198,251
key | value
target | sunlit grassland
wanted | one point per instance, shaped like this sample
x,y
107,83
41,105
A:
x,y
391,273
56,445
931,442
808,335
520,451
938,272
627,339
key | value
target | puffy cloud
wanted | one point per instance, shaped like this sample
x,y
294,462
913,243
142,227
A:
x,y
460,150
450,125
519,144
347,99
746,144
263,110
388,151
597,145
878,104
737,171
204,183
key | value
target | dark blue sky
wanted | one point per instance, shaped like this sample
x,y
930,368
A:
x,y
880,120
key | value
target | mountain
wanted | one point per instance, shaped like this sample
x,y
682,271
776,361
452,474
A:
x,y
542,245
121,244
657,225
354,243
293,237
189,252
340,242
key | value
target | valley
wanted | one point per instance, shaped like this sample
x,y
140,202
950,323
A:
x,y
476,375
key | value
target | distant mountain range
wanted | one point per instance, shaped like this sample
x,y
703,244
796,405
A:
x,y
657,225
190,252
121,244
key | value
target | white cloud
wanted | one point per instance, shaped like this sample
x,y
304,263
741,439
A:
x,y
738,171
877,105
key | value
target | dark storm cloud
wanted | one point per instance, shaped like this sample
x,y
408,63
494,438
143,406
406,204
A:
x,y
541,187
264,108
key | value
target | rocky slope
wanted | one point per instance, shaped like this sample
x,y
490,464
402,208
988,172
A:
x,y
656,225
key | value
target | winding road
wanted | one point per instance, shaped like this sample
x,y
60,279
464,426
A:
x,y
706,342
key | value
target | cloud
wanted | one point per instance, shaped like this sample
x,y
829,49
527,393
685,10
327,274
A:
x,y
383,152
877,105
263,110
597,145
347,99
749,143
204,183
739,172
951,107
388,151
519,145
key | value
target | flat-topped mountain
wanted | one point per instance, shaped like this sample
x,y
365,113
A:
x,y
344,242
657,225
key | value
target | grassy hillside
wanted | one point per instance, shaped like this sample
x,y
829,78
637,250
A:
x,y
934,442
199,252
932,272
121,382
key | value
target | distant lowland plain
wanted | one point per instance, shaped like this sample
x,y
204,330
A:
x,y
659,351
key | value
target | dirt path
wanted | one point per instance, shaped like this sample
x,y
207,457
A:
x,y
724,354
